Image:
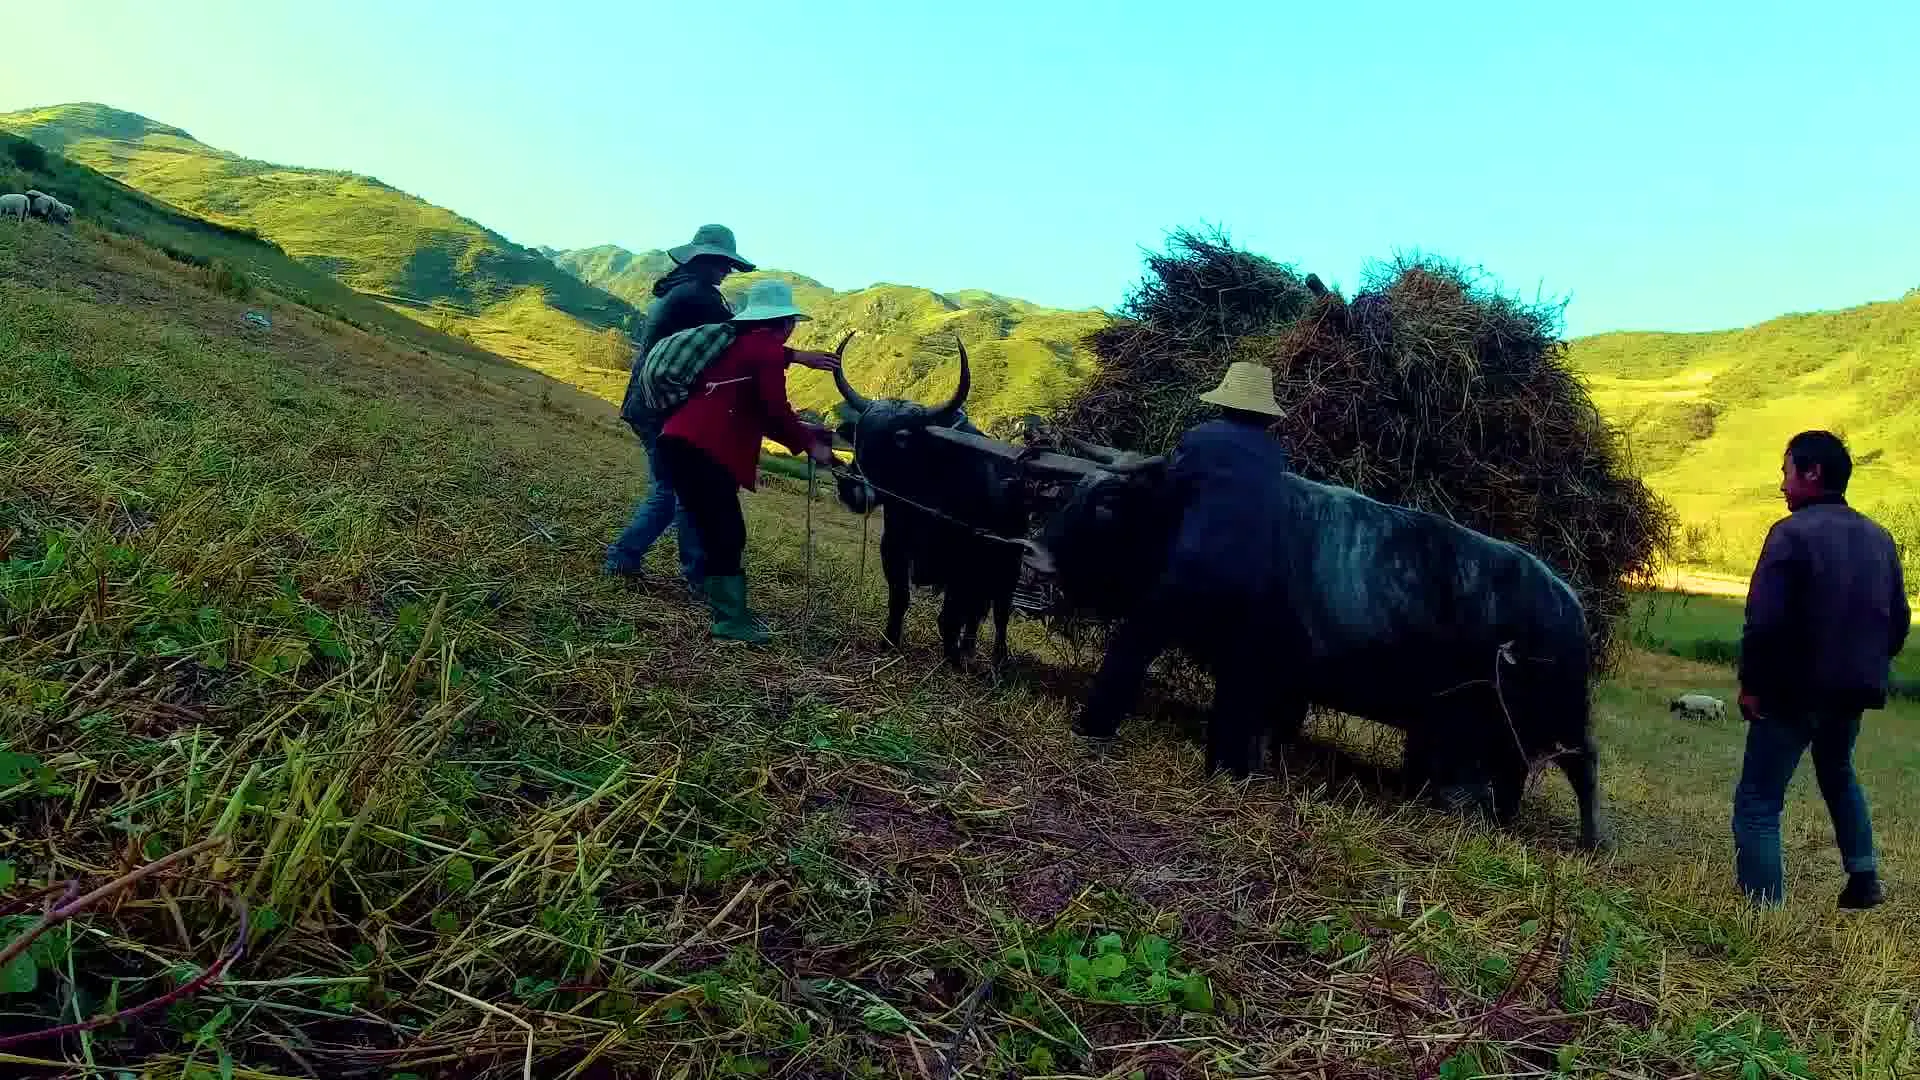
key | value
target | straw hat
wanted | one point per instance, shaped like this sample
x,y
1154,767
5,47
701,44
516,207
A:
x,y
1246,387
767,300
710,240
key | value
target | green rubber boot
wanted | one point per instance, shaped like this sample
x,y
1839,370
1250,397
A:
x,y
727,596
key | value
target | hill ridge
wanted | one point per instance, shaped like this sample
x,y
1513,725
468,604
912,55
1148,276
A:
x,y
1708,414
372,235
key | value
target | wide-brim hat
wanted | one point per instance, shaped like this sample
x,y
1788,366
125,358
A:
x,y
710,240
766,301
1246,387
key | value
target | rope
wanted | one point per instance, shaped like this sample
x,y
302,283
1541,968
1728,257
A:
x,y
983,534
860,583
806,619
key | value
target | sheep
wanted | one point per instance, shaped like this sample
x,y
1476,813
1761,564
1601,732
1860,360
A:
x,y
62,213
1698,707
15,206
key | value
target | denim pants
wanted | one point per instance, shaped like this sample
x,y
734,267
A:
x,y
1774,745
660,510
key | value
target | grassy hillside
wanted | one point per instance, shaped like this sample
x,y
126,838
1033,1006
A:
x,y
550,309
369,235
237,260
323,612
1709,414
1025,357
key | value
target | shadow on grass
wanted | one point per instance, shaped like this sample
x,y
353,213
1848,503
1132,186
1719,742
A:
x,y
1343,766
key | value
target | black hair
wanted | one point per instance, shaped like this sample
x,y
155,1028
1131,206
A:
x,y
1824,449
1249,418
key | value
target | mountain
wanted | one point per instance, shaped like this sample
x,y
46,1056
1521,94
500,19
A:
x,y
560,312
370,235
1709,414
235,261
1024,357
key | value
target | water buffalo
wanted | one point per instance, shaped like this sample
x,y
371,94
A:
x,y
900,465
1298,593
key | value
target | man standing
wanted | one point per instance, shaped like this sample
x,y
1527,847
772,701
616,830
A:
x,y
688,296
1826,613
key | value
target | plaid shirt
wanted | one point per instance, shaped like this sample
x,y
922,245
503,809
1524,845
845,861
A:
x,y
668,373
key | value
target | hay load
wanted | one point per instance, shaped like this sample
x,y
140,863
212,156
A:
x,y
1429,389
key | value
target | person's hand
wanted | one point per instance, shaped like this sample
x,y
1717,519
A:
x,y
1749,705
822,454
818,361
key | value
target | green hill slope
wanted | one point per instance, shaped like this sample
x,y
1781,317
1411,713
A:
x,y
1709,414
236,260
373,237
1025,357
549,309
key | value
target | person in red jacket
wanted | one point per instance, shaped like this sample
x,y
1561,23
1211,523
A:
x,y
711,445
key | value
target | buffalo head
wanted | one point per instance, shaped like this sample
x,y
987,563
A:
x,y
883,431
1106,543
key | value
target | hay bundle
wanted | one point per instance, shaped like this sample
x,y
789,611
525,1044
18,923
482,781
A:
x,y
1199,301
1428,390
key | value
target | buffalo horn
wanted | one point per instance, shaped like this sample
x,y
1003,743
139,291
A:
x,y
854,401
946,413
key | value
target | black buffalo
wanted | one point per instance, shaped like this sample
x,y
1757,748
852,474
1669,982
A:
x,y
1296,593
901,465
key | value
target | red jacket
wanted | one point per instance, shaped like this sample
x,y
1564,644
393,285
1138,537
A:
x,y
740,399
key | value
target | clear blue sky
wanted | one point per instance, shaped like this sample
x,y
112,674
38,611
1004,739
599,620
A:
x,y
1666,165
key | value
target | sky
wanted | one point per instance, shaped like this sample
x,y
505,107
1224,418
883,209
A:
x,y
1659,165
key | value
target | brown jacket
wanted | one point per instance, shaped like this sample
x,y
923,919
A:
x,y
1826,611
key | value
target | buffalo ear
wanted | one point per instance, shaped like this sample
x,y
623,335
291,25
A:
x,y
845,432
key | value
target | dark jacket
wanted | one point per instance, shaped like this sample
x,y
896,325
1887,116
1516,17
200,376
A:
x,y
681,301
1223,475
1826,611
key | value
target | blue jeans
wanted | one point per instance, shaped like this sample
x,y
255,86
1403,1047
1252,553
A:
x,y
660,510
1774,745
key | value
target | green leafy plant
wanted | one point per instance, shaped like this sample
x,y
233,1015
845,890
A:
x,y
1106,967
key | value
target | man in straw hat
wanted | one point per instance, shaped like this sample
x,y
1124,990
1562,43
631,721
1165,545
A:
x,y
688,296
711,445
1219,484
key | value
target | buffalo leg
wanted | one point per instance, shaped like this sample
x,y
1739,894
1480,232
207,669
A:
x,y
1583,772
1509,768
1002,613
1417,765
956,626
1131,650
1243,710
1289,716
897,567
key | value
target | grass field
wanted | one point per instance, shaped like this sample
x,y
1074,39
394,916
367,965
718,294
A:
x,y
1707,628
331,605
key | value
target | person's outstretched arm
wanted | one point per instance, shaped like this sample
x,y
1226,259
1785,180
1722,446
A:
x,y
783,425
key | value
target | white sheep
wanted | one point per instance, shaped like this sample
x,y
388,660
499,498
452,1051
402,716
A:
x,y
1698,707
15,206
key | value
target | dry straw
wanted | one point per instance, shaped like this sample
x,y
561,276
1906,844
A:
x,y
1430,390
